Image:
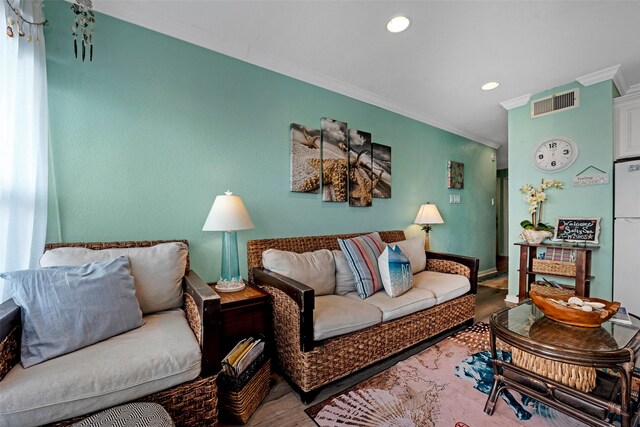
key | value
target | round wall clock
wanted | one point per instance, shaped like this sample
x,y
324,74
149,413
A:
x,y
555,154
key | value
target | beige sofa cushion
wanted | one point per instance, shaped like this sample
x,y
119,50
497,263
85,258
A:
x,y
444,286
158,355
414,250
337,315
392,308
157,270
345,280
315,269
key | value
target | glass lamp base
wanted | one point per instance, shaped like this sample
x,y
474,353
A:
x,y
230,268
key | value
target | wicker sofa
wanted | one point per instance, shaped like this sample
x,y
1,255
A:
x,y
309,364
190,403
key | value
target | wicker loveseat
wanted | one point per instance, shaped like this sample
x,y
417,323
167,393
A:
x,y
190,402
310,364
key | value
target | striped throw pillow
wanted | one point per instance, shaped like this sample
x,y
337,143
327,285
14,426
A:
x,y
362,253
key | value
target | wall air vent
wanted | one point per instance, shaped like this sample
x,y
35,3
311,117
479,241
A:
x,y
555,103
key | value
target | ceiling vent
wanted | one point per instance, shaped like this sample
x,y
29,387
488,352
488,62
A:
x,y
554,103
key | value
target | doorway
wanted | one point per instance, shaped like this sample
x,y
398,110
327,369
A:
x,y
502,221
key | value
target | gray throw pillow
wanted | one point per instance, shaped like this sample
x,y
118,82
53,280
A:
x,y
315,269
157,270
345,281
68,308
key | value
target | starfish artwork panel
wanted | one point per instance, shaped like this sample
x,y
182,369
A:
x,y
334,160
381,169
360,169
305,159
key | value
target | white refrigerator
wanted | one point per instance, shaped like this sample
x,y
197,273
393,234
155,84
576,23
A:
x,y
626,255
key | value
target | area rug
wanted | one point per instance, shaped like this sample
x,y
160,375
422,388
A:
x,y
501,281
445,385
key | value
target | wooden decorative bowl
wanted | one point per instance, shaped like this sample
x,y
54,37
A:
x,y
572,316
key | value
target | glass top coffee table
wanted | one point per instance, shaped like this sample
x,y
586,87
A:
x,y
573,356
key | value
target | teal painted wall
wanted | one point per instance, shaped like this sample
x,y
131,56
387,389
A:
x,y
145,136
591,127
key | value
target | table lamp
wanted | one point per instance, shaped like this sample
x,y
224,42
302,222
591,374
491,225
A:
x,y
428,214
229,215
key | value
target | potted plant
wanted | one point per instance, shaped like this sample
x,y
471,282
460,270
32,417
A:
x,y
534,230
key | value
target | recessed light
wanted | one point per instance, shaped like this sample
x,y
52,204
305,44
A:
x,y
398,24
490,85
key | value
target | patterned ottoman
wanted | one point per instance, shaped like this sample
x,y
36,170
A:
x,y
139,414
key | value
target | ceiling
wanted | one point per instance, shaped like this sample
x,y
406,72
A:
x,y
433,71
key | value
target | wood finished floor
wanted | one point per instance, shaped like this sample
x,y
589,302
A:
x,y
283,408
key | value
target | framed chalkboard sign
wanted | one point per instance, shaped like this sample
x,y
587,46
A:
x,y
582,230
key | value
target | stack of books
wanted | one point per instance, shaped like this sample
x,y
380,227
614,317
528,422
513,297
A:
x,y
239,359
559,254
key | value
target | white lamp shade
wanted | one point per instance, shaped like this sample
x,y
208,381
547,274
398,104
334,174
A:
x,y
428,214
228,214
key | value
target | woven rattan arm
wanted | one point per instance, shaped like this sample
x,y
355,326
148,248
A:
x,y
10,329
473,264
204,319
303,296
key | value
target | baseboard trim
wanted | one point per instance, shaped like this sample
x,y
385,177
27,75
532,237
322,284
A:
x,y
512,299
486,273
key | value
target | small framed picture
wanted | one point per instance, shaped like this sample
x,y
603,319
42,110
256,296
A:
x,y
455,175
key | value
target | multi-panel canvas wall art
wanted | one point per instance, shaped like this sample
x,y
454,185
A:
x,y
343,164
455,175
360,168
381,171
334,160
305,159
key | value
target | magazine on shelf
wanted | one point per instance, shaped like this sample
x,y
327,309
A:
x,y
241,356
622,316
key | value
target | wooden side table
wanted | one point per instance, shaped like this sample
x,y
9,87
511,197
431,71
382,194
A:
x,y
527,274
242,314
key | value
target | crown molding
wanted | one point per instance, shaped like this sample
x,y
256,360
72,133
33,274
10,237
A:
x,y
621,83
318,79
633,89
133,13
598,76
612,73
510,104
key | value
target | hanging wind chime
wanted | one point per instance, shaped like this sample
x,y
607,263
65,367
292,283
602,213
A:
x,y
17,23
83,27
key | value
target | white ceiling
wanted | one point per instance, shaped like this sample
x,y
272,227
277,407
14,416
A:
x,y
433,71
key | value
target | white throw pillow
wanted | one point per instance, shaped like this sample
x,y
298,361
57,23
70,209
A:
x,y
345,281
414,250
157,270
314,269
395,271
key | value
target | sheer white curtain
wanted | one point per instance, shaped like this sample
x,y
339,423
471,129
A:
x,y
24,134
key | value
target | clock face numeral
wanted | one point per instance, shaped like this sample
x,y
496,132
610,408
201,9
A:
x,y
565,151
541,156
553,145
553,163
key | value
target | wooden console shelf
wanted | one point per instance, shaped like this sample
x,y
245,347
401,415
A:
x,y
528,253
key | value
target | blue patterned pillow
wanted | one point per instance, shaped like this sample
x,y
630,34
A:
x,y
395,271
362,253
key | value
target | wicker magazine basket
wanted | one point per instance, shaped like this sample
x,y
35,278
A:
x,y
241,396
554,267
